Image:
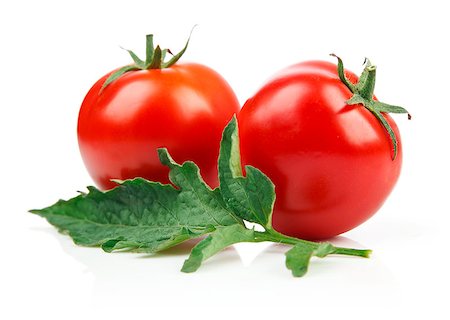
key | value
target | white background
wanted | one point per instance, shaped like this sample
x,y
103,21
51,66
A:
x,y
51,52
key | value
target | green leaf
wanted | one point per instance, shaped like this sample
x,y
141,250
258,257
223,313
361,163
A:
x,y
216,242
164,54
156,59
143,216
177,57
341,74
298,258
388,108
356,99
389,130
137,61
117,74
251,197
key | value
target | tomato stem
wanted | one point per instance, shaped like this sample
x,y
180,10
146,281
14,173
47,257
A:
x,y
368,85
274,236
363,95
154,59
365,253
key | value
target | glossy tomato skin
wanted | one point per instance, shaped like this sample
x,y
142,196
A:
x,y
331,163
183,108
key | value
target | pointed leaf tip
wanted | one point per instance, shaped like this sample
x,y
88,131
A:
x,y
117,74
252,196
177,57
164,156
137,61
341,74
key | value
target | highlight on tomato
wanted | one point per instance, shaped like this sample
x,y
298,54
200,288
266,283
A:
x,y
329,146
158,102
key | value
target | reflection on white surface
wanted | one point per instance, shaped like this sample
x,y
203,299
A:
x,y
248,273
248,262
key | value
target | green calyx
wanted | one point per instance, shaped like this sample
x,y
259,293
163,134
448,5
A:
x,y
155,59
363,94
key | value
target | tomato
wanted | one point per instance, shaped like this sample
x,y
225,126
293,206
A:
x,y
183,107
332,163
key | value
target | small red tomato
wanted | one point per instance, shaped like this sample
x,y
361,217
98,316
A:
x,y
132,111
331,150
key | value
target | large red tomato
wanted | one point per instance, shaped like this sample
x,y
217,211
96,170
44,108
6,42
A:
x,y
333,164
181,106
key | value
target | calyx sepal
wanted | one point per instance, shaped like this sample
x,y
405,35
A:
x,y
363,94
155,59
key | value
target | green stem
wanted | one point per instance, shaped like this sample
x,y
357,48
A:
x,y
363,95
368,86
274,236
353,252
154,59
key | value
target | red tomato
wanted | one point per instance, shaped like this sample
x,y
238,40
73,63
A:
x,y
331,162
183,107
